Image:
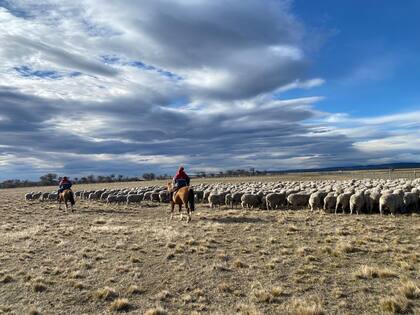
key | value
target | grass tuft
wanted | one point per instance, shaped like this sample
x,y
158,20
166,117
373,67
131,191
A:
x,y
120,305
395,305
302,307
106,293
368,272
156,311
134,290
409,289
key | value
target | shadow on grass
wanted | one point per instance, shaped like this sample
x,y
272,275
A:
x,y
235,220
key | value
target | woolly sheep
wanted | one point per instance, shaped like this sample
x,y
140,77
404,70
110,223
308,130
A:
x,y
134,198
298,199
411,201
392,202
275,200
316,200
330,201
343,202
250,201
357,202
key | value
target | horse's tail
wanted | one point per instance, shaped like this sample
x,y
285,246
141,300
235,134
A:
x,y
191,200
71,198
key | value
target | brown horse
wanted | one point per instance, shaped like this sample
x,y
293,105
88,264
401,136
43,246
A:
x,y
66,196
183,196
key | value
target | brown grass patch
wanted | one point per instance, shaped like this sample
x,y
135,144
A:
x,y
239,264
106,293
120,305
409,289
396,305
303,307
156,311
163,295
368,272
134,290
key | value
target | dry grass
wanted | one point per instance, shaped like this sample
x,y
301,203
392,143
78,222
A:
x,y
156,311
367,272
396,305
409,289
135,290
223,262
106,293
120,305
303,307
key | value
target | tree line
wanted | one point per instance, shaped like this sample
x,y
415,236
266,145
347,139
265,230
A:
x,y
52,179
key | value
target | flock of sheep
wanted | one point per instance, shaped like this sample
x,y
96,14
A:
x,y
353,196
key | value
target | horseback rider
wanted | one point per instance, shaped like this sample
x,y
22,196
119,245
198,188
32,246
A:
x,y
181,179
64,184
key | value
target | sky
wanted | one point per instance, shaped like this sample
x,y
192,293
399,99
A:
x,y
129,87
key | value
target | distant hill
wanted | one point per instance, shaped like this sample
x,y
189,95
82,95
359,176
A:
x,y
354,168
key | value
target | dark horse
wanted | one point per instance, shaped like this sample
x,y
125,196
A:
x,y
66,196
183,196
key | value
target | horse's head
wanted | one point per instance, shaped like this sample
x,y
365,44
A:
x,y
169,186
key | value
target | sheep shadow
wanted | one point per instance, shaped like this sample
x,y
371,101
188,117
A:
x,y
230,220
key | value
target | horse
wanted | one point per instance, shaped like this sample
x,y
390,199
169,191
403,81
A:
x,y
183,196
66,196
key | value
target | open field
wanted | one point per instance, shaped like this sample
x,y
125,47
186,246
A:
x,y
106,259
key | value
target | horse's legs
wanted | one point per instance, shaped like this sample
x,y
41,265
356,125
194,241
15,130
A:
x,y
59,202
172,209
180,212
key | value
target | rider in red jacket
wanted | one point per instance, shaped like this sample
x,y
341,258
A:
x,y
181,179
64,184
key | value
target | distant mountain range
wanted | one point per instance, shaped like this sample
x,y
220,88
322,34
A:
x,y
355,168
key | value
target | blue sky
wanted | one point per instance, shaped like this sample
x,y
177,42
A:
x,y
369,57
128,87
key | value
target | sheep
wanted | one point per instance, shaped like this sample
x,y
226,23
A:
x,y
36,196
228,199
121,199
147,195
411,201
250,201
263,205
215,200
316,200
104,195
53,196
28,196
154,196
199,195
357,202
236,199
392,202
372,200
298,199
136,198
330,201
343,201
275,200
44,196
111,199
164,196
206,195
